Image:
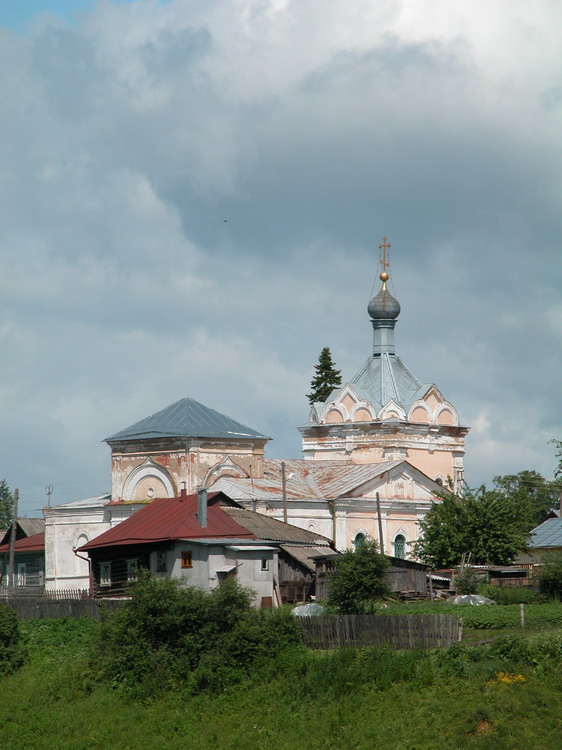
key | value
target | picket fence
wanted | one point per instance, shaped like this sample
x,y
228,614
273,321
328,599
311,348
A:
x,y
397,631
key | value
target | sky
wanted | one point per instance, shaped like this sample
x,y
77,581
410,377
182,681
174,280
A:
x,y
192,195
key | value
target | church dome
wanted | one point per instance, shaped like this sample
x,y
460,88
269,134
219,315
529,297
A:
x,y
384,306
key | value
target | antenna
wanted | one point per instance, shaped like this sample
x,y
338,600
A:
x,y
49,491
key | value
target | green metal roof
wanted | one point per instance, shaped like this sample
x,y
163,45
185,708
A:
x,y
186,418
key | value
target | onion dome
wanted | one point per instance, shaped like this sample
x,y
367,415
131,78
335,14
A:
x,y
384,306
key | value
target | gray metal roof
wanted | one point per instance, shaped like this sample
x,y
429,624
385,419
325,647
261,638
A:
x,y
384,377
307,555
31,526
186,418
548,534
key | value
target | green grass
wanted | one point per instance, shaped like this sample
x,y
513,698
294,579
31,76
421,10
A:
x,y
340,700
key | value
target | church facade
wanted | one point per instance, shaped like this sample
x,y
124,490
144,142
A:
x,y
376,455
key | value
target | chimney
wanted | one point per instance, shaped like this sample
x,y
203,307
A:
x,y
183,492
202,507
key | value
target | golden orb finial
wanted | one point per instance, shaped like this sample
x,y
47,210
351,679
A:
x,y
384,276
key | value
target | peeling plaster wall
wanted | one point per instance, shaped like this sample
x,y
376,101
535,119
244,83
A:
x,y
183,461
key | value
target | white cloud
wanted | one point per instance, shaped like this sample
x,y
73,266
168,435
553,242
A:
x,y
191,195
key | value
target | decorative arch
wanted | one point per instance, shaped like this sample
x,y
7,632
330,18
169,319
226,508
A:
x,y
392,410
360,538
334,415
362,413
149,470
225,468
446,415
419,412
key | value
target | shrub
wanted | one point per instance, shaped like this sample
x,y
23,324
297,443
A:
x,y
550,576
359,579
11,653
467,581
169,634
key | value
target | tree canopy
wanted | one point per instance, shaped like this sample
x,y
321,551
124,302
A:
x,y
359,579
534,494
326,378
486,523
6,505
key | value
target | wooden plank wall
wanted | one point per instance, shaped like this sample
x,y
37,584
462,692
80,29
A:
x,y
57,605
398,631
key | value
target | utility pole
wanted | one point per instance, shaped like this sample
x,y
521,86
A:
x,y
379,513
13,540
284,490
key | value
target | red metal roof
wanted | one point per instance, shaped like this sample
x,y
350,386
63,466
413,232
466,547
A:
x,y
33,543
166,519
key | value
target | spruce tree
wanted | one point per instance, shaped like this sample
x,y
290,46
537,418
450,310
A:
x,y
6,505
326,378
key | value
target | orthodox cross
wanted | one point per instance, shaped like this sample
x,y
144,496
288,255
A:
x,y
384,247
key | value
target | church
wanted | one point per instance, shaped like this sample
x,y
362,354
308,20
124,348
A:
x,y
376,454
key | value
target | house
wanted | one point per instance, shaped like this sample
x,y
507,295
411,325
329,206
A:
x,y
545,539
202,539
29,561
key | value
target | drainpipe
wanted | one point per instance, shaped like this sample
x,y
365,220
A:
x,y
90,583
332,508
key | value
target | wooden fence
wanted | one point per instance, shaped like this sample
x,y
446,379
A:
x,y
37,605
398,631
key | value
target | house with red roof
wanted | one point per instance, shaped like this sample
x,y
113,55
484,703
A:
x,y
202,539
29,553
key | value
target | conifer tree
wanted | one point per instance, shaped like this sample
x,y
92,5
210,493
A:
x,y
326,378
6,505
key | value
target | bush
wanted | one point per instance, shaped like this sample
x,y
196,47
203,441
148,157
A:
x,y
550,576
466,582
169,634
359,579
11,652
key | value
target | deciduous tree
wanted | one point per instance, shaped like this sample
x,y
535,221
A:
x,y
534,495
483,522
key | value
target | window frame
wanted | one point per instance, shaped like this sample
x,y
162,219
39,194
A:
x,y
105,574
132,568
186,559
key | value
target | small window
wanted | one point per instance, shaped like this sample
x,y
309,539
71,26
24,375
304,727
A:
x,y
132,567
400,546
161,562
21,579
186,559
264,563
105,574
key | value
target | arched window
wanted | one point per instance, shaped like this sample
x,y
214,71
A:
x,y
400,546
439,481
359,540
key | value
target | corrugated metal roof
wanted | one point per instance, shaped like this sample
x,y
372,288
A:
x,y
167,519
306,480
265,527
186,418
32,543
548,534
31,526
306,555
87,502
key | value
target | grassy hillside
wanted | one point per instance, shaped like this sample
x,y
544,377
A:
x,y
507,695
